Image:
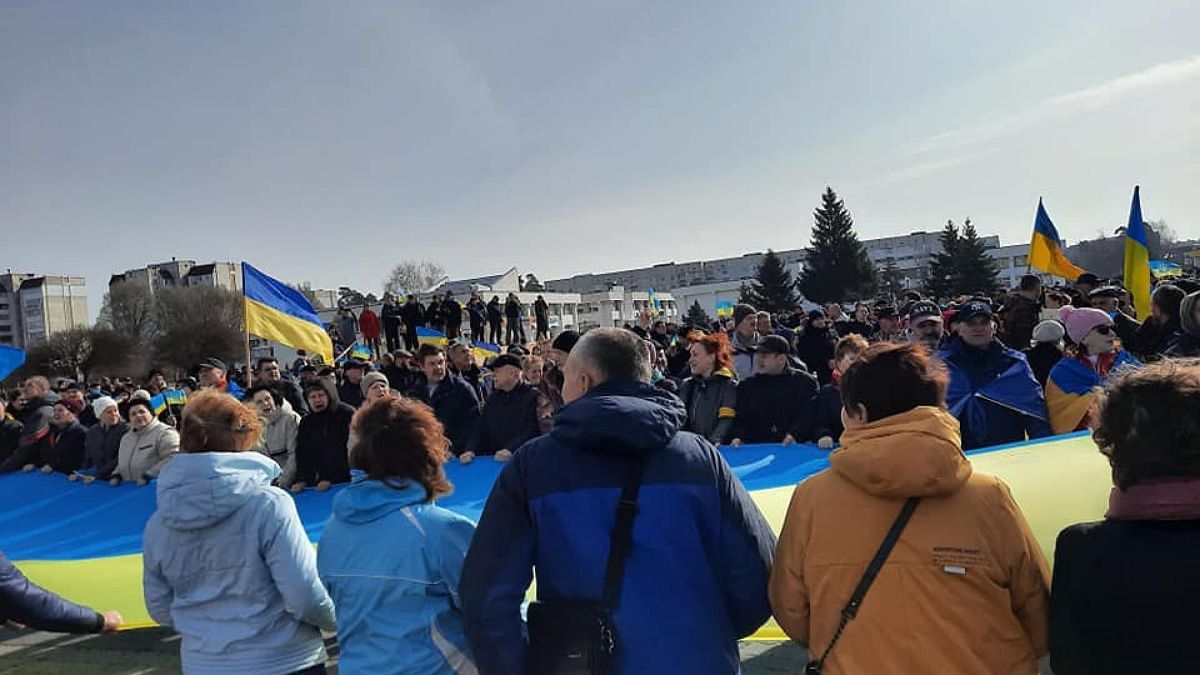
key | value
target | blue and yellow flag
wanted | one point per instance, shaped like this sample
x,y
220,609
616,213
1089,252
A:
x,y
1137,258
175,396
278,312
724,309
429,336
485,350
360,352
1046,249
159,403
11,358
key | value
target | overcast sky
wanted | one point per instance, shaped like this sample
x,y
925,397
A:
x,y
324,141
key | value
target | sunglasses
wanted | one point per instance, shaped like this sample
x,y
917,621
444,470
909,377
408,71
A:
x,y
1103,330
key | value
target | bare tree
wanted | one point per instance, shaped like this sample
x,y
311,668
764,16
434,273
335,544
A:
x,y
129,309
198,322
413,276
81,353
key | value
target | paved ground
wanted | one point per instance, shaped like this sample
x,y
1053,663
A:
x,y
156,651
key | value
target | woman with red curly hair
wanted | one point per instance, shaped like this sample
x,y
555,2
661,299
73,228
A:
x,y
710,394
389,556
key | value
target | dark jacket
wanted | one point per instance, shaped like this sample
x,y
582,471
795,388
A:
x,y
512,309
291,392
62,448
509,418
100,447
1127,329
400,378
541,310
815,348
321,440
435,315
452,311
11,432
711,405
1185,345
1042,358
351,394
456,406
26,603
494,312
1123,598
413,314
1154,340
36,418
994,395
686,598
773,406
1020,316
476,313
474,377
855,326
390,315
827,413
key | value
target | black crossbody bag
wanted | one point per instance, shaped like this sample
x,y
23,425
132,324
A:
x,y
579,637
864,584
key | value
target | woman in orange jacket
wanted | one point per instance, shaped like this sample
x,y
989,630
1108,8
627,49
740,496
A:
x,y
964,589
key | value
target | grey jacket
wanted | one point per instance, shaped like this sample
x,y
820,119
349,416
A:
x,y
145,452
279,440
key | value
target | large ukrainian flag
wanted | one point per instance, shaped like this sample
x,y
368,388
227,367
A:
x,y
1046,249
278,312
1137,258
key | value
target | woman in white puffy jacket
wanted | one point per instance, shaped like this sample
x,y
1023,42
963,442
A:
x,y
146,447
281,425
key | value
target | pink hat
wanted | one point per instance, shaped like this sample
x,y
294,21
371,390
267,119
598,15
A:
x,y
1081,320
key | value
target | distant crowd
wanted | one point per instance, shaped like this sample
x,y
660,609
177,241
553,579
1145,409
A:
x,y
958,584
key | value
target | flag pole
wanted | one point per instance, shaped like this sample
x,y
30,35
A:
x,y
246,326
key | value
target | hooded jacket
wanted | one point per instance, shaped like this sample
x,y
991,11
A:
x,y
773,406
711,404
280,429
101,447
508,420
321,442
144,453
392,562
966,588
815,347
227,564
686,597
994,395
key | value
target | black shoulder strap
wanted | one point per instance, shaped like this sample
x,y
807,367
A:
x,y
622,533
868,577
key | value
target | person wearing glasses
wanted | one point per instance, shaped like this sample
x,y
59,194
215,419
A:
x,y
1092,357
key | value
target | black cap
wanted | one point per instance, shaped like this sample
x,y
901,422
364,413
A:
x,y
773,344
923,310
307,368
565,341
354,363
886,312
1088,278
816,314
1106,292
69,385
213,362
974,308
506,360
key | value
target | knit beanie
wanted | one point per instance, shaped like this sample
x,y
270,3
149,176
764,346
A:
x,y
371,378
1187,314
101,404
1080,320
1048,331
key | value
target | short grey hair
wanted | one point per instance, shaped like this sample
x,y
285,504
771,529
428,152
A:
x,y
613,354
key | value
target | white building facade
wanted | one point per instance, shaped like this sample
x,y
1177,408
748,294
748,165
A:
x,y
176,273
618,307
34,307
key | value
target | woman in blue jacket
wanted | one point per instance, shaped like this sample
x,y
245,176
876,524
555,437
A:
x,y
390,558
227,562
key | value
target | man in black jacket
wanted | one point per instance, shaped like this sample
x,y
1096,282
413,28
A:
x,y
270,373
390,316
452,310
776,405
350,392
452,399
815,346
510,415
61,449
414,317
321,443
26,604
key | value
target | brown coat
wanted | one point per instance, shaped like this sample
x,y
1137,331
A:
x,y
965,590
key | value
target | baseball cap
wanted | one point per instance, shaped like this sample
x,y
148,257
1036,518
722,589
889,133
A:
x,y
773,344
974,308
212,363
506,360
1088,278
922,311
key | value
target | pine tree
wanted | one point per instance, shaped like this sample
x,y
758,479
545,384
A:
x,y
943,271
773,289
976,269
836,266
696,316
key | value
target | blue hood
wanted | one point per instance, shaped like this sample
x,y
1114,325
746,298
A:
x,y
200,489
620,416
366,500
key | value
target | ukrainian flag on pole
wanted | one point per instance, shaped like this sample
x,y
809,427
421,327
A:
x,y
278,312
1046,249
1137,258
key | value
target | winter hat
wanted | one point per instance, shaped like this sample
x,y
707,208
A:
x,y
140,393
1081,320
74,405
371,378
101,404
741,311
565,341
1048,331
1187,314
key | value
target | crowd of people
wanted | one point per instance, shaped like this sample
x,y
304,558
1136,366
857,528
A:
x,y
900,388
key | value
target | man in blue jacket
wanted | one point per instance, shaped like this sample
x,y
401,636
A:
x,y
993,391
696,577
24,603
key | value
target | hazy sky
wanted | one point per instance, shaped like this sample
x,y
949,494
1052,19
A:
x,y
323,141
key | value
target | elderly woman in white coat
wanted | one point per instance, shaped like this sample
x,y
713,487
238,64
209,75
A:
x,y
146,447
281,425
